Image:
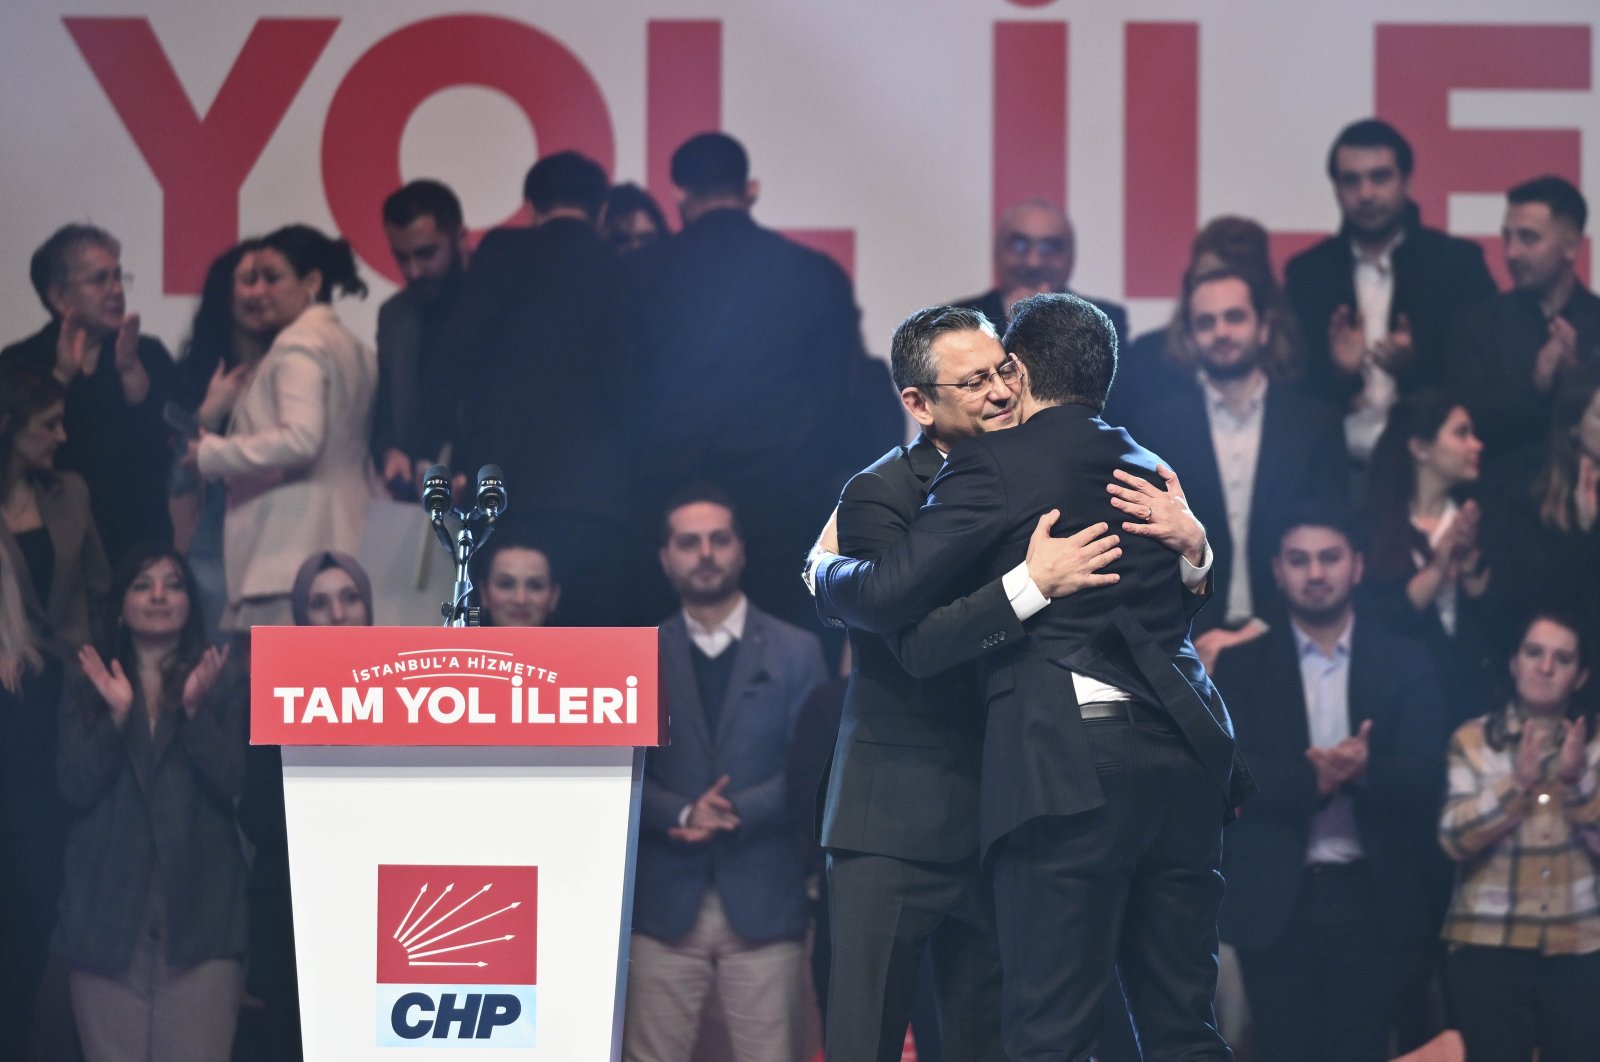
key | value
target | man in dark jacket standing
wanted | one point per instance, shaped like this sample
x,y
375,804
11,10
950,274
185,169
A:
x,y
1109,763
1375,301
750,341
1336,887
539,335
901,816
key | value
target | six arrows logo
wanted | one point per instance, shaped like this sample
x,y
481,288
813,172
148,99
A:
x,y
457,949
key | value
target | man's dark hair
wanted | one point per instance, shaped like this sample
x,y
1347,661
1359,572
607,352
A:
x,y
1371,133
51,265
692,493
1067,346
567,179
423,198
1333,515
711,164
1557,193
911,360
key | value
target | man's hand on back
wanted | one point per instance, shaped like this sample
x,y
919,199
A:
x,y
1062,566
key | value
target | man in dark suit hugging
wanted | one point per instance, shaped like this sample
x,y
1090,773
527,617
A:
x,y
1109,762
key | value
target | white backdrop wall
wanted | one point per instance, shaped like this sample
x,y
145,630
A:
x,y
890,131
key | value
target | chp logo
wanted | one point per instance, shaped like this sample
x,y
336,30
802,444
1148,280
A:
x,y
456,956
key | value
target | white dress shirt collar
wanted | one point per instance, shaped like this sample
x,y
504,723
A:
x,y
713,640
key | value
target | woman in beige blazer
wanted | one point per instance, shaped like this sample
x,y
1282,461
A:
x,y
47,535
295,458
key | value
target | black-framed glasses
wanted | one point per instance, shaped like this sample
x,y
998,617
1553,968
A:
x,y
1049,246
976,385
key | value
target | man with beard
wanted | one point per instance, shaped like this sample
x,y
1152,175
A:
x,y
117,382
412,418
1376,300
719,902
1518,347
1035,249
1336,887
1251,447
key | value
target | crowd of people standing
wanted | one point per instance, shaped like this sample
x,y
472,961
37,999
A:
x,y
1396,466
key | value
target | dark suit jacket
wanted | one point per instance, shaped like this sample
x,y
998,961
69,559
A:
x,y
1496,344
1133,634
151,805
757,869
415,410
1392,683
750,343
539,334
1434,276
1302,458
120,450
904,779
989,302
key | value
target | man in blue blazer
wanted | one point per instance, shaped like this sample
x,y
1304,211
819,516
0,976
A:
x,y
720,894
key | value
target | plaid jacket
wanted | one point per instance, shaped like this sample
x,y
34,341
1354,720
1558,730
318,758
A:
x,y
1528,859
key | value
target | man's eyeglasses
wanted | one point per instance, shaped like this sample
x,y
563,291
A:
x,y
104,278
978,384
1049,246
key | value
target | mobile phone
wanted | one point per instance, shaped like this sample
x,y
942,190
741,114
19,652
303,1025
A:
x,y
181,421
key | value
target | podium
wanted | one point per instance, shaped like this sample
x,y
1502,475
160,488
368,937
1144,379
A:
x,y
463,810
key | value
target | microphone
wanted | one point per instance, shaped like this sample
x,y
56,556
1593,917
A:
x,y
436,490
491,491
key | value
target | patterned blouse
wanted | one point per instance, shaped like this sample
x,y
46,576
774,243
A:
x,y
1528,858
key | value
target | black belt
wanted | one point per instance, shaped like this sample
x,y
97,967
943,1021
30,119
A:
x,y
1103,710
1354,866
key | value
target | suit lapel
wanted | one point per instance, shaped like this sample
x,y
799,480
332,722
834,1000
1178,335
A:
x,y
749,669
1197,467
687,712
1280,457
925,461
139,744
1366,685
1296,713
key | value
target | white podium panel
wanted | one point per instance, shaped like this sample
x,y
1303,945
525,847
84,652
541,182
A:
x,y
447,961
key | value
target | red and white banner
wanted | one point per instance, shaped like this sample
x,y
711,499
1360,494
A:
x,y
548,686
888,132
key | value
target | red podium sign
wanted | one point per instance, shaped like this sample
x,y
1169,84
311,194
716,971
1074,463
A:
x,y
551,686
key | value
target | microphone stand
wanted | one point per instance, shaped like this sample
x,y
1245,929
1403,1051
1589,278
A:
x,y
473,528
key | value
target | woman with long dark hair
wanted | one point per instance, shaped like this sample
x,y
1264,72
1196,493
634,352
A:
x,y
153,917
1547,547
47,531
1522,821
231,332
1425,566
295,457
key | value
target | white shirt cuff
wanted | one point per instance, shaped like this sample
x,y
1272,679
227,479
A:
x,y
1023,593
808,574
1194,577
683,816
